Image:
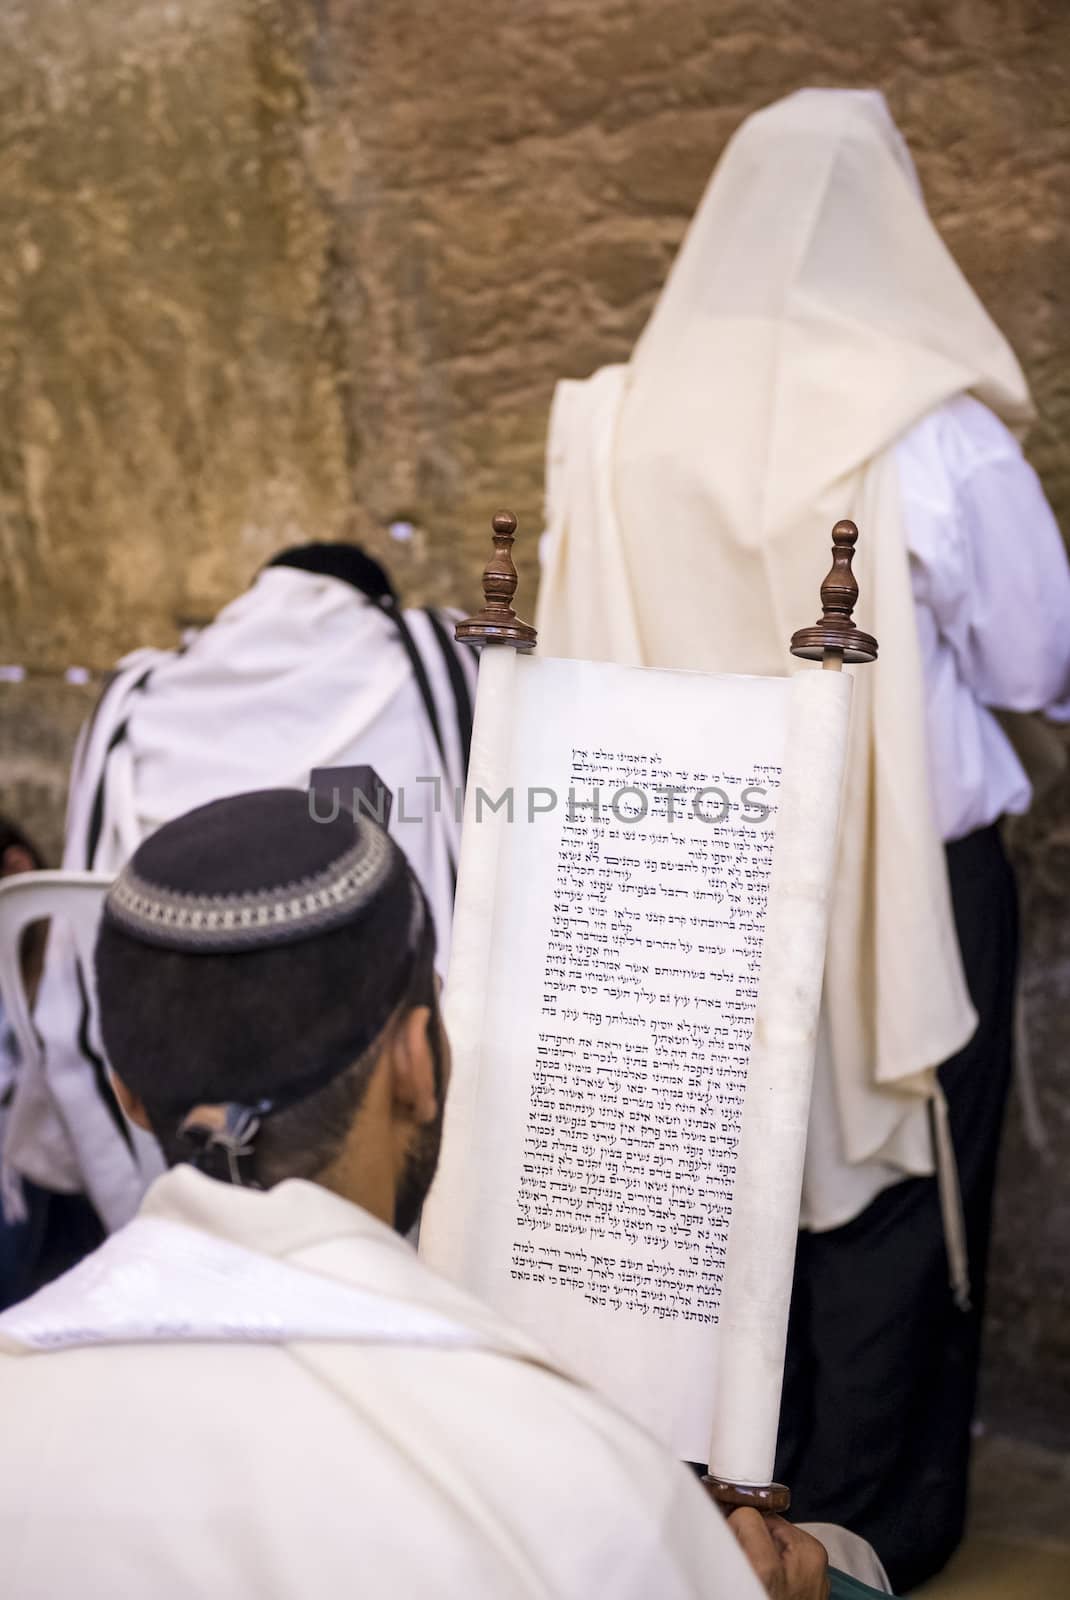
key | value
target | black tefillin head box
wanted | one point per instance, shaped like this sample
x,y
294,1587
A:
x,y
358,790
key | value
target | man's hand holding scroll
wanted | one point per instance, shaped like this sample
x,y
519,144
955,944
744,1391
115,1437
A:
x,y
791,1564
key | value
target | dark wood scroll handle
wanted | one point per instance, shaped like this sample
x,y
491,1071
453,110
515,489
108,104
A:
x,y
497,622
765,1497
835,639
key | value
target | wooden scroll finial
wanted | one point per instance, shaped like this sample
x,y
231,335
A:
x,y
835,639
770,1498
498,623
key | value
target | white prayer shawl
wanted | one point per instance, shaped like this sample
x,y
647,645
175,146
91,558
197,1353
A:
x,y
162,1282
300,671
269,1394
811,317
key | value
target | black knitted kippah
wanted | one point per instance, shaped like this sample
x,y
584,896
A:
x,y
253,871
248,955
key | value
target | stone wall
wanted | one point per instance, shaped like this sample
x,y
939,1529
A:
x,y
283,269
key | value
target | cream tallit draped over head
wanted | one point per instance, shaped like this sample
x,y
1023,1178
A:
x,y
813,314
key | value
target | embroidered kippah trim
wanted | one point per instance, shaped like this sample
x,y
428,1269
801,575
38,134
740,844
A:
x,y
311,905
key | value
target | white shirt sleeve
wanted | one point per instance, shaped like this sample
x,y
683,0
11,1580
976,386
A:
x,y
994,574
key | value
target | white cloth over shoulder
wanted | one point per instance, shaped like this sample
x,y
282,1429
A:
x,y
811,318
435,1452
158,1281
301,671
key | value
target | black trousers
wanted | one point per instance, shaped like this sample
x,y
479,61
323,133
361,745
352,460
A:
x,y
881,1373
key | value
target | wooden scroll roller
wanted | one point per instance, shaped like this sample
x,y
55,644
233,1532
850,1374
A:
x,y
769,1498
832,641
498,623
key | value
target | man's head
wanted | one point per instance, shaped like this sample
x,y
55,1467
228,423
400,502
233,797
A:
x,y
347,562
17,854
268,1002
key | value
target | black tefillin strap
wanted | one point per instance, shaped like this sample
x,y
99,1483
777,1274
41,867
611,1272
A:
x,y
392,611
234,1136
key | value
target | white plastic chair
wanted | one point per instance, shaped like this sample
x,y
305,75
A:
x,y
75,897
73,901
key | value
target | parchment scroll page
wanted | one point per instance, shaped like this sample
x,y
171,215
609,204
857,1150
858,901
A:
x,y
589,1163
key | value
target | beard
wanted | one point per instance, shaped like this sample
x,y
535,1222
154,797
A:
x,y
421,1158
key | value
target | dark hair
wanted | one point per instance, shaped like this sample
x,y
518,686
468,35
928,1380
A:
x,y
183,1030
35,934
348,562
303,1139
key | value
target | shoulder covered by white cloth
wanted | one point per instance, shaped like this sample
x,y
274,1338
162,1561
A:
x,y
376,1449
158,1281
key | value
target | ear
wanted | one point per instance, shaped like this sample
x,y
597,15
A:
x,y
412,1067
131,1103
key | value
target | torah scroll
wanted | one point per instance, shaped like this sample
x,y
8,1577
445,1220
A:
x,y
632,1002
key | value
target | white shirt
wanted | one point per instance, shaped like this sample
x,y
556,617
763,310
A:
x,y
300,1466
992,596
